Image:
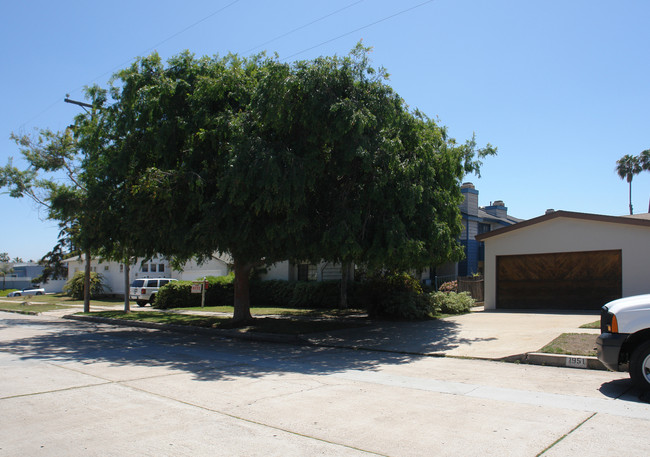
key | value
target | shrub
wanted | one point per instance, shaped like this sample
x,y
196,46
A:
x,y
323,294
450,286
271,294
393,296
178,294
452,302
3,293
75,285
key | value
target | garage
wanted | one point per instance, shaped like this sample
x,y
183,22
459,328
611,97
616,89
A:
x,y
566,261
562,280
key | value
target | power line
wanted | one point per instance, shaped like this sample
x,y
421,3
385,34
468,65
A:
x,y
302,27
169,38
359,29
205,18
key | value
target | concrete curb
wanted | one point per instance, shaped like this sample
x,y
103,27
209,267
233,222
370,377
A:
x,y
532,358
557,360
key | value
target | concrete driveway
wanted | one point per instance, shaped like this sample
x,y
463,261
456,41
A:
x,y
484,334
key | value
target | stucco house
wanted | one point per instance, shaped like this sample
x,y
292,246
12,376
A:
x,y
567,260
113,272
159,267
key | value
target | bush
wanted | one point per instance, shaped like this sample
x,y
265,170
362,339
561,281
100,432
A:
x,y
450,286
271,294
452,302
323,294
393,296
178,294
75,286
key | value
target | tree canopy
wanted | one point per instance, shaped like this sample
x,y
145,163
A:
x,y
269,161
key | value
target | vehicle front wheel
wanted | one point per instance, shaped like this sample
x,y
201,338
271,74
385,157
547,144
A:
x,y
640,366
39,293
141,303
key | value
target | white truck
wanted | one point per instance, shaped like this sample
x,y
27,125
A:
x,y
624,341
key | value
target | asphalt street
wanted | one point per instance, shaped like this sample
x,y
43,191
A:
x,y
78,388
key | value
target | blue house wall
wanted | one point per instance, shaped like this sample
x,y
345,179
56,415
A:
x,y
477,220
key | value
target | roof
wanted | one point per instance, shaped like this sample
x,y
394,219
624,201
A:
x,y
508,220
642,220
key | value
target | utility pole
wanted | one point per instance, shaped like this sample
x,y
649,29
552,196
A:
x,y
87,252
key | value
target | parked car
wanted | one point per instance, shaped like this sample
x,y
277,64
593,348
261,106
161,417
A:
x,y
144,290
26,292
624,342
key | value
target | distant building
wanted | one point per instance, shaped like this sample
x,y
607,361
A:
x,y
476,220
22,277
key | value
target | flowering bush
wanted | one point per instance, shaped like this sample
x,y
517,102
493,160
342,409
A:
x,y
451,286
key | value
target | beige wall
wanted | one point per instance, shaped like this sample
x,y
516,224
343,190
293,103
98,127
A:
x,y
573,235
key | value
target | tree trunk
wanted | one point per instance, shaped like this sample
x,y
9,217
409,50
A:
x,y
87,283
127,270
631,212
242,311
345,273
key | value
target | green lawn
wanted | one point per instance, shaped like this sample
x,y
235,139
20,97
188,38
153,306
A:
x,y
591,325
61,299
30,308
286,325
572,344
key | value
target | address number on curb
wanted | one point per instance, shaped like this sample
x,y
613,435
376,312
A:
x,y
576,362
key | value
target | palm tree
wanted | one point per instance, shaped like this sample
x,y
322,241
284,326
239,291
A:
x,y
626,167
644,159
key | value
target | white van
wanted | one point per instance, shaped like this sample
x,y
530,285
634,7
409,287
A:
x,y
144,290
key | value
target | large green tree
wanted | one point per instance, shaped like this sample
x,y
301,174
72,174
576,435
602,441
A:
x,y
384,181
270,161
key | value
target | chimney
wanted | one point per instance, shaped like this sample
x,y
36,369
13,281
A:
x,y
469,206
497,209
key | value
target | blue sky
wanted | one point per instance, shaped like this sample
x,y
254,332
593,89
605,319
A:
x,y
560,87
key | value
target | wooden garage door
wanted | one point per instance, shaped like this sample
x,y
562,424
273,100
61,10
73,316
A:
x,y
565,280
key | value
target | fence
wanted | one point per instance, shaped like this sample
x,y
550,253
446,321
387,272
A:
x,y
473,285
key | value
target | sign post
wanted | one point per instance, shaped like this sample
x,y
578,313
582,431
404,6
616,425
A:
x,y
200,288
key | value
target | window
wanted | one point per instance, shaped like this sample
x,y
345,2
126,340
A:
x,y
145,268
121,268
153,267
307,272
483,228
106,268
163,282
161,267
152,283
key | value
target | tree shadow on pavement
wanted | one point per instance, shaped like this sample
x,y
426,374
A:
x,y
209,357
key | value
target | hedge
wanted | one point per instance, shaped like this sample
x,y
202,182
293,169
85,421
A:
x,y
394,296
